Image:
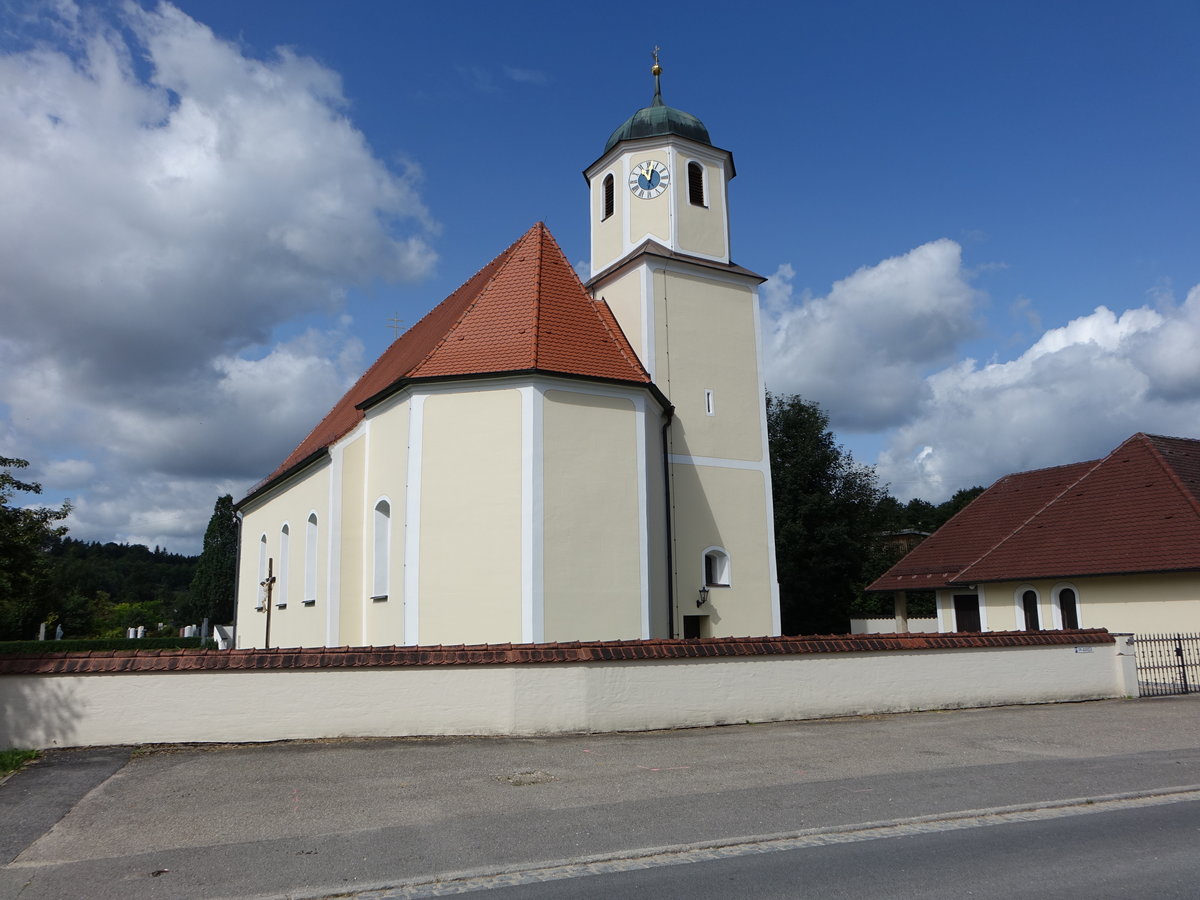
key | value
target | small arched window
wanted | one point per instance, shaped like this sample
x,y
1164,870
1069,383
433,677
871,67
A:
x,y
381,544
310,560
1068,607
695,173
716,567
1029,607
281,580
609,196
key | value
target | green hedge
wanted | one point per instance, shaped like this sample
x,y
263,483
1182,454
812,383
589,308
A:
x,y
78,644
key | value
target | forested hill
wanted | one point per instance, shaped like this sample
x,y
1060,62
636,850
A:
x,y
99,589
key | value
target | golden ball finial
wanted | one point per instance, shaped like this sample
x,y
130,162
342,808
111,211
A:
x,y
656,70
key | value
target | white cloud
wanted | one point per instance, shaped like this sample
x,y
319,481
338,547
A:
x,y
525,76
1073,395
158,228
863,350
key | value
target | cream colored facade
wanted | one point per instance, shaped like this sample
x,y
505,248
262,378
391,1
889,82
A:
x,y
1140,604
490,511
693,319
543,508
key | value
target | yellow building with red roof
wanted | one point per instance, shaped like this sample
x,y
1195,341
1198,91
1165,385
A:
x,y
539,461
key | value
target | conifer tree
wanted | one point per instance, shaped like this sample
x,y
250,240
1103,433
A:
x,y
213,585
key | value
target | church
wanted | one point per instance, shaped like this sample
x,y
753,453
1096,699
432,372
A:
x,y
539,459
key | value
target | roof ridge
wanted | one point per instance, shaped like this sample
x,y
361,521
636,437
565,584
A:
x,y
1169,469
1045,506
510,253
537,294
621,341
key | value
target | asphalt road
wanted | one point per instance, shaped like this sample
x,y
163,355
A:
x,y
392,818
1146,852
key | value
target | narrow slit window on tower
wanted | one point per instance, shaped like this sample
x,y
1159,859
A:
x,y
695,173
609,196
709,409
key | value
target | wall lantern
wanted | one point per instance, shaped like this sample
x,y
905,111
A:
x,y
703,595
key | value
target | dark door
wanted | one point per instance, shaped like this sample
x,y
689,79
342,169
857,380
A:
x,y
966,612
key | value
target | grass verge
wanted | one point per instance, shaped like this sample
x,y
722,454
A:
x,y
11,760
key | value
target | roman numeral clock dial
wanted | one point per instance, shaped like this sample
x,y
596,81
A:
x,y
649,179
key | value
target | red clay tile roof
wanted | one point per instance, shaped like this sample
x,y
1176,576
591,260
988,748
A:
x,y
978,527
525,310
1136,510
47,663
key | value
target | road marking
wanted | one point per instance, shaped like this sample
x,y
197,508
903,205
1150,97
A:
x,y
681,854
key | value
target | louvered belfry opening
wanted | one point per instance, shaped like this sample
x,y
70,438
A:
x,y
695,183
609,196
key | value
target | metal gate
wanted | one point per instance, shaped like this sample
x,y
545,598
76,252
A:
x,y
1167,664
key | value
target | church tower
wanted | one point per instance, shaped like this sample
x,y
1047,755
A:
x,y
660,259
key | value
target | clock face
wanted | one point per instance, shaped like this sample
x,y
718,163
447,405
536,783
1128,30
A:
x,y
649,179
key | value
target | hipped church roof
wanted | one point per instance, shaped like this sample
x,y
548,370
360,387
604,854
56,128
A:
x,y
525,311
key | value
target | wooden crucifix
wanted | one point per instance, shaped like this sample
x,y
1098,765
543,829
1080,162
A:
x,y
267,583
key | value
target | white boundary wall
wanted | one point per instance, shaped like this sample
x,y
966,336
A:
x,y
526,699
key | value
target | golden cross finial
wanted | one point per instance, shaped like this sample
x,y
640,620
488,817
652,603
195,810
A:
x,y
394,323
656,70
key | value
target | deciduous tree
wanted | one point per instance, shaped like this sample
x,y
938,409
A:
x,y
25,535
825,517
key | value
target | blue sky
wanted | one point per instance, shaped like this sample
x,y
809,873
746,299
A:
x,y
979,219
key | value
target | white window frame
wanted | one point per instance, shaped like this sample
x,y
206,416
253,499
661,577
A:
x,y
1056,599
281,580
609,181
687,169
381,545
1019,601
721,556
310,559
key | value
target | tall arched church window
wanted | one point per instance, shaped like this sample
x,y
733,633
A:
x,y
695,173
382,544
609,196
281,578
716,567
310,560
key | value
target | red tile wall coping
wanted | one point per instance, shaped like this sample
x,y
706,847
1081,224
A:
x,y
105,661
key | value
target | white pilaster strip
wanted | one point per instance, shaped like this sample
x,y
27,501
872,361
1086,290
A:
x,y
333,537
533,611
412,520
648,314
368,523
769,499
639,405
